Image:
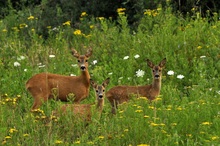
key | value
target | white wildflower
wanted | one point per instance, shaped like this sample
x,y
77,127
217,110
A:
x,y
21,58
136,56
126,57
170,72
110,73
25,70
72,75
202,56
51,56
74,65
16,64
180,76
94,62
140,73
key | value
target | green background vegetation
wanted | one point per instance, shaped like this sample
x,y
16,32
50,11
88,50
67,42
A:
x,y
186,113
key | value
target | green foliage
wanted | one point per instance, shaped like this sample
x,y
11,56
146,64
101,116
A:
x,y
186,112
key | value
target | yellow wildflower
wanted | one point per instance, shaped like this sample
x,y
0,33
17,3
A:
x,y
83,14
148,12
30,18
25,135
145,116
126,130
139,111
215,137
143,145
7,137
4,30
101,137
58,141
91,26
77,142
120,11
12,130
206,123
199,47
101,18
67,23
77,32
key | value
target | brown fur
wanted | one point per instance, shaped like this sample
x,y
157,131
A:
x,y
83,111
120,94
44,86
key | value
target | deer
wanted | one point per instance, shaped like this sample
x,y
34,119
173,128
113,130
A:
x,y
122,93
84,111
44,86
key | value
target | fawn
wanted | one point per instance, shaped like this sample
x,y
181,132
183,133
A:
x,y
83,111
120,94
44,86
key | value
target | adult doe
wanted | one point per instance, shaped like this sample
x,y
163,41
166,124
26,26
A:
x,y
44,86
84,111
120,94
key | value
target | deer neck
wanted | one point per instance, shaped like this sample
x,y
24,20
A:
x,y
156,84
100,105
85,76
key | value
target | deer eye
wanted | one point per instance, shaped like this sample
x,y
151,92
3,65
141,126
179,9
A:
x,y
153,70
97,91
79,61
103,90
86,60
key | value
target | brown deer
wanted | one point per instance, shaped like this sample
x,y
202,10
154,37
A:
x,y
44,86
120,94
84,111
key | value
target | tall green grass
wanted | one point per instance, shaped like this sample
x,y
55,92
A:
x,y
186,113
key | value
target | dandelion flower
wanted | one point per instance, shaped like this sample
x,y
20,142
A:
x,y
136,56
206,123
83,14
77,32
12,130
58,141
77,142
30,18
143,145
16,64
67,23
126,57
140,73
180,76
170,72
101,137
25,135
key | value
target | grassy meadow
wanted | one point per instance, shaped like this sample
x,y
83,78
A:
x,y
187,112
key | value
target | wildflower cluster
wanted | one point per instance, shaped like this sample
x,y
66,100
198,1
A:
x,y
11,101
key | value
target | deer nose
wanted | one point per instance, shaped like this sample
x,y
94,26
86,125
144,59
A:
x,y
156,76
83,67
100,95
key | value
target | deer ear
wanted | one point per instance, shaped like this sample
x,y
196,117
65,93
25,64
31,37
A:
x,y
105,83
163,62
89,52
75,53
93,83
150,63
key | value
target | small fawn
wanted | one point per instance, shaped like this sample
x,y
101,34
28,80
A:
x,y
83,111
44,86
120,94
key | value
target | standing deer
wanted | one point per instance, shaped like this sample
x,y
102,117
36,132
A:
x,y
120,94
84,111
44,86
